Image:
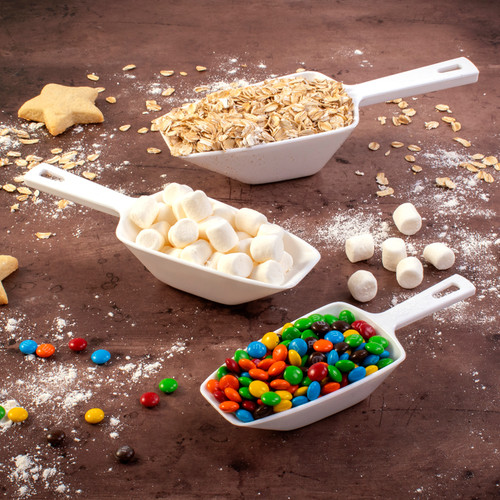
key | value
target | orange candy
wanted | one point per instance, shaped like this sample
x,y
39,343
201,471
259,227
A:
x,y
229,406
265,363
229,381
212,385
232,394
280,384
258,374
45,350
246,364
330,387
280,353
276,368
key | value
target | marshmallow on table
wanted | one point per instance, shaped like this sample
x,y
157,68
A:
x,y
439,255
237,264
197,252
144,211
150,238
196,205
393,250
173,191
165,213
182,233
362,285
249,220
269,272
268,247
221,234
407,219
409,272
359,247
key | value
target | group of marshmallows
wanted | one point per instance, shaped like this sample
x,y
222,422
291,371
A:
x,y
188,225
409,270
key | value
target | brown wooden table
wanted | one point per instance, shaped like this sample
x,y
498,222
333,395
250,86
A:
x,y
431,430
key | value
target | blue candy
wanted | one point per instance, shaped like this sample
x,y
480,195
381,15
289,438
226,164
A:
x,y
28,346
314,390
344,356
332,357
100,356
356,374
299,345
256,349
244,415
299,400
334,336
384,354
372,359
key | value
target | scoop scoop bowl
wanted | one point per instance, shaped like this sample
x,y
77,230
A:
x,y
437,297
183,275
304,156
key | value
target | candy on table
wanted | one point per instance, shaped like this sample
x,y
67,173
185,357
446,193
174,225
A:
x,y
168,385
28,346
17,414
94,416
77,344
407,219
100,356
2,412
124,454
311,358
45,350
150,399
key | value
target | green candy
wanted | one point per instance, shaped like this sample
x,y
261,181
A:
x,y
304,359
303,324
316,317
384,362
374,347
223,370
347,316
244,392
240,354
285,343
293,375
308,333
380,340
245,381
330,318
168,385
354,340
291,333
307,382
345,365
270,398
2,412
334,374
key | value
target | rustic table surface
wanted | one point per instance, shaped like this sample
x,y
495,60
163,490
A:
x,y
430,430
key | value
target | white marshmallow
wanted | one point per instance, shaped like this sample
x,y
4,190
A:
x,y
202,226
162,227
286,262
196,205
242,235
221,235
393,250
213,259
197,252
268,229
439,255
249,220
243,246
362,285
407,219
269,247
182,233
409,272
178,209
166,213
359,247
171,251
237,264
173,191
269,272
150,238
224,211
144,211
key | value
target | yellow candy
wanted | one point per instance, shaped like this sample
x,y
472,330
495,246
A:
x,y
284,395
294,358
301,391
349,332
282,406
371,369
17,414
270,340
285,326
257,388
94,415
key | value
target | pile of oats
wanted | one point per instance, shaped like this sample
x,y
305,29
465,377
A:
x,y
276,110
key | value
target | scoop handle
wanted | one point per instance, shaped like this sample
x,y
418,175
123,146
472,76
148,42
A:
x,y
64,184
437,297
443,75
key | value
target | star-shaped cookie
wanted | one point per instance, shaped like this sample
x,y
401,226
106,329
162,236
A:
x,y
8,265
60,107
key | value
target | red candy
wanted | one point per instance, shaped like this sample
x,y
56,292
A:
x,y
318,371
365,330
150,399
219,395
232,365
77,344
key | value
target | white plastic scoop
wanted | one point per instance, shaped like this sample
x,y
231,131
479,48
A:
x,y
437,297
192,278
303,156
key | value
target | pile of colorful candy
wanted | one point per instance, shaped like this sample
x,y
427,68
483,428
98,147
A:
x,y
312,357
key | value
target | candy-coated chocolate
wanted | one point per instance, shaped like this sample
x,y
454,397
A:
x,y
315,317
270,398
245,393
299,400
28,346
330,318
334,336
229,381
323,345
359,356
301,391
340,325
276,368
332,357
244,415
55,437
246,364
314,390
330,387
344,365
258,374
232,394
94,416
371,369
17,414
280,384
2,412
150,399
306,334
380,340
299,345
265,363
263,411
256,349
347,316
354,340
212,385
257,388
282,406
294,358
356,374
168,385
320,328
77,344
244,380
223,370
219,395
366,330
232,366
303,324
285,395
384,362
241,354
280,353
100,357
270,340
318,371
371,359
229,406
293,374
124,454
291,333
250,406
341,347
374,347
316,357
45,350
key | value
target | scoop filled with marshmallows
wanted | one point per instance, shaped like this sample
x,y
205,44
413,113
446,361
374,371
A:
x,y
188,225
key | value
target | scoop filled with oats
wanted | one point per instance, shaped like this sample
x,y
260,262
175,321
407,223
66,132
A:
x,y
290,126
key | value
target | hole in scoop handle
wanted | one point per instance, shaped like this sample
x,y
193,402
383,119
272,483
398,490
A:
x,y
437,297
443,75
64,184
